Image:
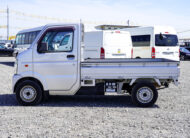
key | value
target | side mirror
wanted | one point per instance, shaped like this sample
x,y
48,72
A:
x,y
43,47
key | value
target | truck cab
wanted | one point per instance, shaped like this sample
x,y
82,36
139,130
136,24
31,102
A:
x,y
52,63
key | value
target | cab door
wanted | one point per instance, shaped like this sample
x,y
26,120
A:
x,y
58,65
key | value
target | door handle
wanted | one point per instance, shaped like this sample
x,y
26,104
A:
x,y
70,56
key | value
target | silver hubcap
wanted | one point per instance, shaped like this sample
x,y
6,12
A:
x,y
145,95
28,94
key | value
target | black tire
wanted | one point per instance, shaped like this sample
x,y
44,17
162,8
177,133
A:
x,y
144,94
127,87
27,88
100,89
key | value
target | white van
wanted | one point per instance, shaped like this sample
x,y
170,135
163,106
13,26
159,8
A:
x,y
155,42
25,38
107,44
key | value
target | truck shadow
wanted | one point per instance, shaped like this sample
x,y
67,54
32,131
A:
x,y
77,101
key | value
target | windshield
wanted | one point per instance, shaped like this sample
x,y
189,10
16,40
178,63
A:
x,y
166,40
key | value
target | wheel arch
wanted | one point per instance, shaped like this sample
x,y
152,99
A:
x,y
138,57
154,81
28,78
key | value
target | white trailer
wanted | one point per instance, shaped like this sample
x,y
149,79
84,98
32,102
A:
x,y
107,44
45,69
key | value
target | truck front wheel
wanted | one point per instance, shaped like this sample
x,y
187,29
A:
x,y
28,93
144,94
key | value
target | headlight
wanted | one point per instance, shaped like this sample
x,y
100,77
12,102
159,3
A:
x,y
16,67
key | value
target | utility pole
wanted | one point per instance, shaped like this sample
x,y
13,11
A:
x,y
7,23
128,23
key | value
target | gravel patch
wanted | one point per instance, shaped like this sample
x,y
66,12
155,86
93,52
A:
x,y
84,116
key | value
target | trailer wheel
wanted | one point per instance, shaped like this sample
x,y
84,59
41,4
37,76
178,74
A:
x,y
144,94
28,93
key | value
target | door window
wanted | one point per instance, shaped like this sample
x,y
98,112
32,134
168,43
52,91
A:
x,y
58,40
141,40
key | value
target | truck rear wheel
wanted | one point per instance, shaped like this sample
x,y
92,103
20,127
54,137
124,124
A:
x,y
144,94
28,93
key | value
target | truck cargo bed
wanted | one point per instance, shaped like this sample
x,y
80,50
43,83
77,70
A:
x,y
129,68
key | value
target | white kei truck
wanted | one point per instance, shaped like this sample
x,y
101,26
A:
x,y
54,66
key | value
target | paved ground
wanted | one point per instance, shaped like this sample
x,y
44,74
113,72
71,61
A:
x,y
110,116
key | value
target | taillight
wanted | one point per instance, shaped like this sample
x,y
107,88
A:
x,y
132,53
102,53
153,52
